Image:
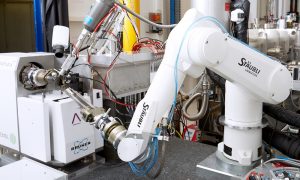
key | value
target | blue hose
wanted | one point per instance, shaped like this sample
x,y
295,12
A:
x,y
150,161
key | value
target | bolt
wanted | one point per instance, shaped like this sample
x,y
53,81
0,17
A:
x,y
226,39
206,42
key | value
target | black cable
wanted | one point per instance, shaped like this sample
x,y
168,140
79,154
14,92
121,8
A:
x,y
272,135
283,115
101,82
180,120
206,120
119,42
288,145
73,63
292,101
84,48
122,114
91,79
109,68
91,67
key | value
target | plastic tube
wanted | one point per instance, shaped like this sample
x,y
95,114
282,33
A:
x,y
204,104
202,111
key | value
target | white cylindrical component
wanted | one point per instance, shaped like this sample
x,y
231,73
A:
x,y
273,38
281,24
258,39
60,36
262,38
245,145
293,35
268,80
297,40
242,133
284,41
215,8
242,109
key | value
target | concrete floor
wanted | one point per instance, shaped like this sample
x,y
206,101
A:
x,y
181,160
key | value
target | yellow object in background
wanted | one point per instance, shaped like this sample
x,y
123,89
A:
x,y
129,35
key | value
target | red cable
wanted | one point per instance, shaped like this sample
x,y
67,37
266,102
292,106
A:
x,y
103,19
106,90
89,58
76,49
110,67
116,37
151,44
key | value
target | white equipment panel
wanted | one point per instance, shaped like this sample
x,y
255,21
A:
x,y
71,137
26,169
34,128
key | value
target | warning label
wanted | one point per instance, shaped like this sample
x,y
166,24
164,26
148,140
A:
x,y
76,119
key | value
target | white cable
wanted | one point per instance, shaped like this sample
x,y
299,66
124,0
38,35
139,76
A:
x,y
133,25
119,120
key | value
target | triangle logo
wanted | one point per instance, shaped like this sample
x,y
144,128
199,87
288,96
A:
x,y
76,119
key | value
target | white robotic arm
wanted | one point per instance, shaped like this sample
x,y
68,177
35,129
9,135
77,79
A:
x,y
252,78
197,43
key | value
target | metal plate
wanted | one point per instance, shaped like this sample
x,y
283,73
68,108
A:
x,y
218,164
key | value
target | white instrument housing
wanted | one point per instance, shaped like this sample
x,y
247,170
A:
x,y
60,36
39,124
252,78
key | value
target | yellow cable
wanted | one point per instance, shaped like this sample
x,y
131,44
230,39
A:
x,y
178,134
